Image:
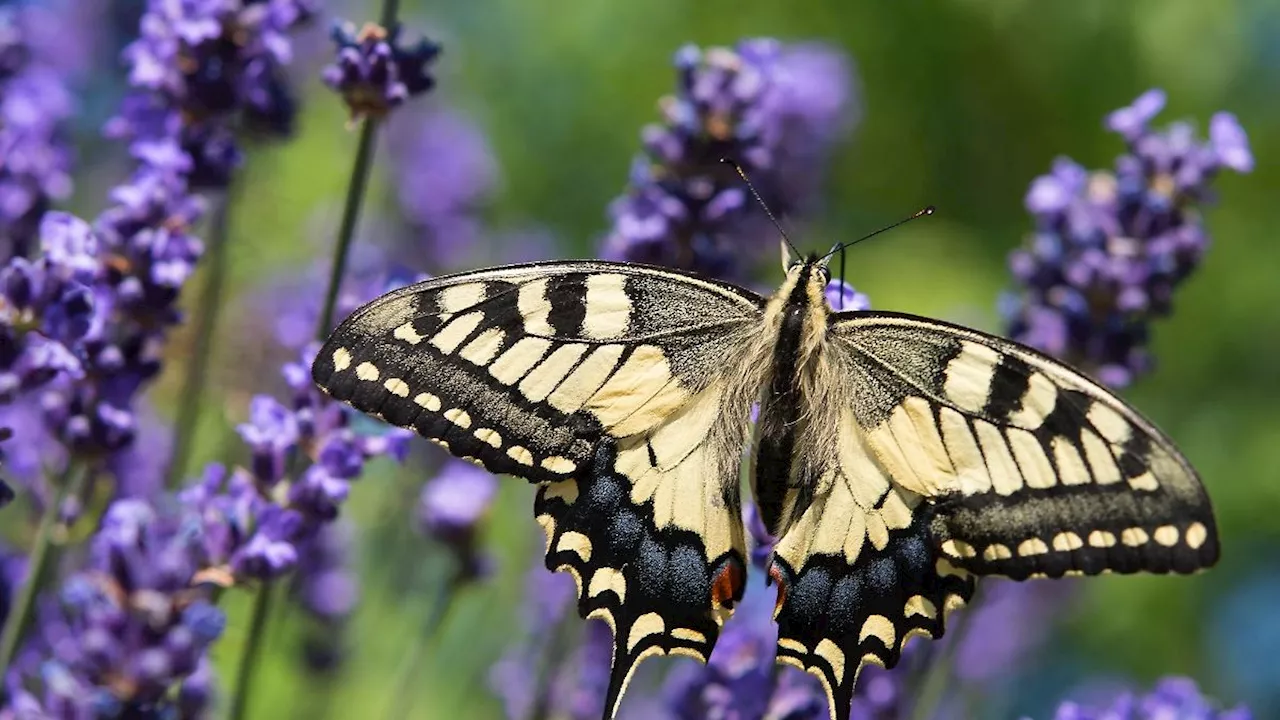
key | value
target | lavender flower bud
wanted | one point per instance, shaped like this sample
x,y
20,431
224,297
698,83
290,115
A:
x,y
375,71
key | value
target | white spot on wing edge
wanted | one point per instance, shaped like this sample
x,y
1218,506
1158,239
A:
x,y
367,371
488,436
576,543
396,386
458,417
608,579
1166,535
1196,535
520,454
920,605
428,401
341,359
880,627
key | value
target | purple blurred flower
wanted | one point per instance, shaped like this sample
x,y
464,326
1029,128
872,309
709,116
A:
x,y
328,590
1172,698
842,296
376,70
578,689
451,506
1007,624
773,109
1111,247
35,152
122,634
521,676
444,173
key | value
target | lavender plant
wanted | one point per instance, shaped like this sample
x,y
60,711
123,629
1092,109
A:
x,y
35,153
1112,246
773,109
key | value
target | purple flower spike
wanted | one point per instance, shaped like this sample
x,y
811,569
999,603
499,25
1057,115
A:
x,y
1174,698
1111,247
772,109
35,105
126,631
375,71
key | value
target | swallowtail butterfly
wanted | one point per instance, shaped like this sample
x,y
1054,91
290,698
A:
x,y
896,457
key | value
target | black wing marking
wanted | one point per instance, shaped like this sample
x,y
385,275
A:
x,y
1036,470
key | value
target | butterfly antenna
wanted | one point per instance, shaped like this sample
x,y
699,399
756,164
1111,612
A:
x,y
763,206
917,214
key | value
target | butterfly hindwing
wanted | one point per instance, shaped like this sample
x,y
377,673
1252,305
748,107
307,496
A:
x,y
608,385
1035,469
664,571
859,573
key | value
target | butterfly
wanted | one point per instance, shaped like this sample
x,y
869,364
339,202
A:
x,y
896,458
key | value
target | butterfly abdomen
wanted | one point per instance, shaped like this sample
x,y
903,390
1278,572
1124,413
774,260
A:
x,y
799,310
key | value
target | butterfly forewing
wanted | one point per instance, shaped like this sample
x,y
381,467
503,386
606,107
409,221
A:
x,y
609,385
1036,470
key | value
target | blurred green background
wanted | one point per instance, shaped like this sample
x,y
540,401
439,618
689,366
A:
x,y
963,103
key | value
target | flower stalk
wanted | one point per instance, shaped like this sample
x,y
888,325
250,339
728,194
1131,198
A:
x,y
20,615
206,322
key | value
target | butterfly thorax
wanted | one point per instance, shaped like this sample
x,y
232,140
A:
x,y
798,315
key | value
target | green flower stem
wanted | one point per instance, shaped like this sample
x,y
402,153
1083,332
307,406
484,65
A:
x,y
390,12
20,614
247,670
932,687
346,233
411,664
350,214
206,322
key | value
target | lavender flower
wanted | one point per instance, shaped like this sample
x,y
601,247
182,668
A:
x,y
1172,699
1112,246
35,154
48,309
444,173
452,505
121,635
257,518
772,109
376,70
198,68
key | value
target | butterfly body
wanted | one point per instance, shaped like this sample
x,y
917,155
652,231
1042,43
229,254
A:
x,y
896,458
